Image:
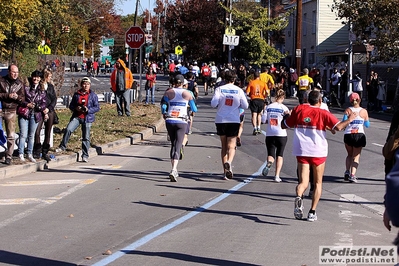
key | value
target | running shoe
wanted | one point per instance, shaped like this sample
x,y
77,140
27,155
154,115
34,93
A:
x,y
238,142
259,131
255,132
298,210
353,178
265,170
277,179
346,175
173,176
228,172
21,158
312,217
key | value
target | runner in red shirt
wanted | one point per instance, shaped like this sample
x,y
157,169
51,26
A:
x,y
206,75
310,146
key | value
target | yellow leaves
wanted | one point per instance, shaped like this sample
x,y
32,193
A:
x,y
15,16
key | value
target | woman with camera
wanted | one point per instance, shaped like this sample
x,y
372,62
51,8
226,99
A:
x,y
84,105
30,113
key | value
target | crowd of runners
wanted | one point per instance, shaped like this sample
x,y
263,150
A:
x,y
263,91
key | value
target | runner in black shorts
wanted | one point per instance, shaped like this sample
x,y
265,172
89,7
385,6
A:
x,y
228,99
227,129
256,105
356,140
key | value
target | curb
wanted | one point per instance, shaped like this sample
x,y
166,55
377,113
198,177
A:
x,y
27,168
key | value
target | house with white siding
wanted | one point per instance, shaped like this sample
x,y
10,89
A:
x,y
322,34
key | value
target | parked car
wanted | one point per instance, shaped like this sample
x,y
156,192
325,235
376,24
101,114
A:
x,y
3,70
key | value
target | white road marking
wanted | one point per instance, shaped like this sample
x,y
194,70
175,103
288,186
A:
x,y
379,209
166,228
379,145
44,202
41,183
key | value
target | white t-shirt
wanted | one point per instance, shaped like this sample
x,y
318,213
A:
x,y
228,99
214,72
356,126
275,114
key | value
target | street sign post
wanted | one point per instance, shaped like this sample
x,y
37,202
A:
x,y
108,42
135,37
231,40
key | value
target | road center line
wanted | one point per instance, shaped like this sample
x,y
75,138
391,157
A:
x,y
376,144
164,229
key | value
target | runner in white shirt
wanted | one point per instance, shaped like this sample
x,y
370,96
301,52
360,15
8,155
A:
x,y
228,99
276,137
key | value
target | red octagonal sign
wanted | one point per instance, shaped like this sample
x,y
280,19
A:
x,y
135,37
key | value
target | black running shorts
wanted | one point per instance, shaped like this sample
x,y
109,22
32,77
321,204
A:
x,y
256,105
227,129
355,140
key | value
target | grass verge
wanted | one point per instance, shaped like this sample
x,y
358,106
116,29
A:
x,y
108,126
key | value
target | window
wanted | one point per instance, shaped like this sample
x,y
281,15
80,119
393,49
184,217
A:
x,y
314,19
304,24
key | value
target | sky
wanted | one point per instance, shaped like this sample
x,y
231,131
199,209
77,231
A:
x,y
128,6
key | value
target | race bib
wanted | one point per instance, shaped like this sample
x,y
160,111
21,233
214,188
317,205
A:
x,y
228,102
274,122
174,113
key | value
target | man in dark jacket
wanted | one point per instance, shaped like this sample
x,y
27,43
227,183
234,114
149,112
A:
x,y
84,105
12,94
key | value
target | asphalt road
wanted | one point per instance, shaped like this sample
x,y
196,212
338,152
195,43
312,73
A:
x,y
121,209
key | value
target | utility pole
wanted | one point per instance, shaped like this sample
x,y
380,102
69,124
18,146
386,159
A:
x,y
298,49
230,24
132,54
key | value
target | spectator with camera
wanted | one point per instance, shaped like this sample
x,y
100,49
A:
x,y
84,105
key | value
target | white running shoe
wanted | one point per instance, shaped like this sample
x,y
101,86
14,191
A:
x,y
228,171
352,179
173,176
277,179
312,217
21,158
298,210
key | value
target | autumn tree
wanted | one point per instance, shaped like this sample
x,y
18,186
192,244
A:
x,y
197,26
372,24
253,25
15,18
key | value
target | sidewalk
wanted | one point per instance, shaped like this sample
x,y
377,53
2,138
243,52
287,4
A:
x,y
8,171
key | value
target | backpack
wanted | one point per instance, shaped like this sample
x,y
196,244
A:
x,y
392,193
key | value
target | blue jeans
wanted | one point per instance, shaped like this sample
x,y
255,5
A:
x,y
123,98
27,129
71,127
147,95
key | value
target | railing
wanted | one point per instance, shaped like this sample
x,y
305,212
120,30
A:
x,y
105,97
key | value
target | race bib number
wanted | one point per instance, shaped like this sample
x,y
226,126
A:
x,y
228,102
274,122
174,113
303,82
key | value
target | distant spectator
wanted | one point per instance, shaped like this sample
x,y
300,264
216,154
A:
x,y
121,83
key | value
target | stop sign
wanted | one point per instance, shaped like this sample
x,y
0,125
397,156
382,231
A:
x,y
135,37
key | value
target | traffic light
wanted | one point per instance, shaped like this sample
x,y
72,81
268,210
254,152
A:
x,y
66,29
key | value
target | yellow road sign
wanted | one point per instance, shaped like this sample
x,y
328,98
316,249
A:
x,y
230,31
